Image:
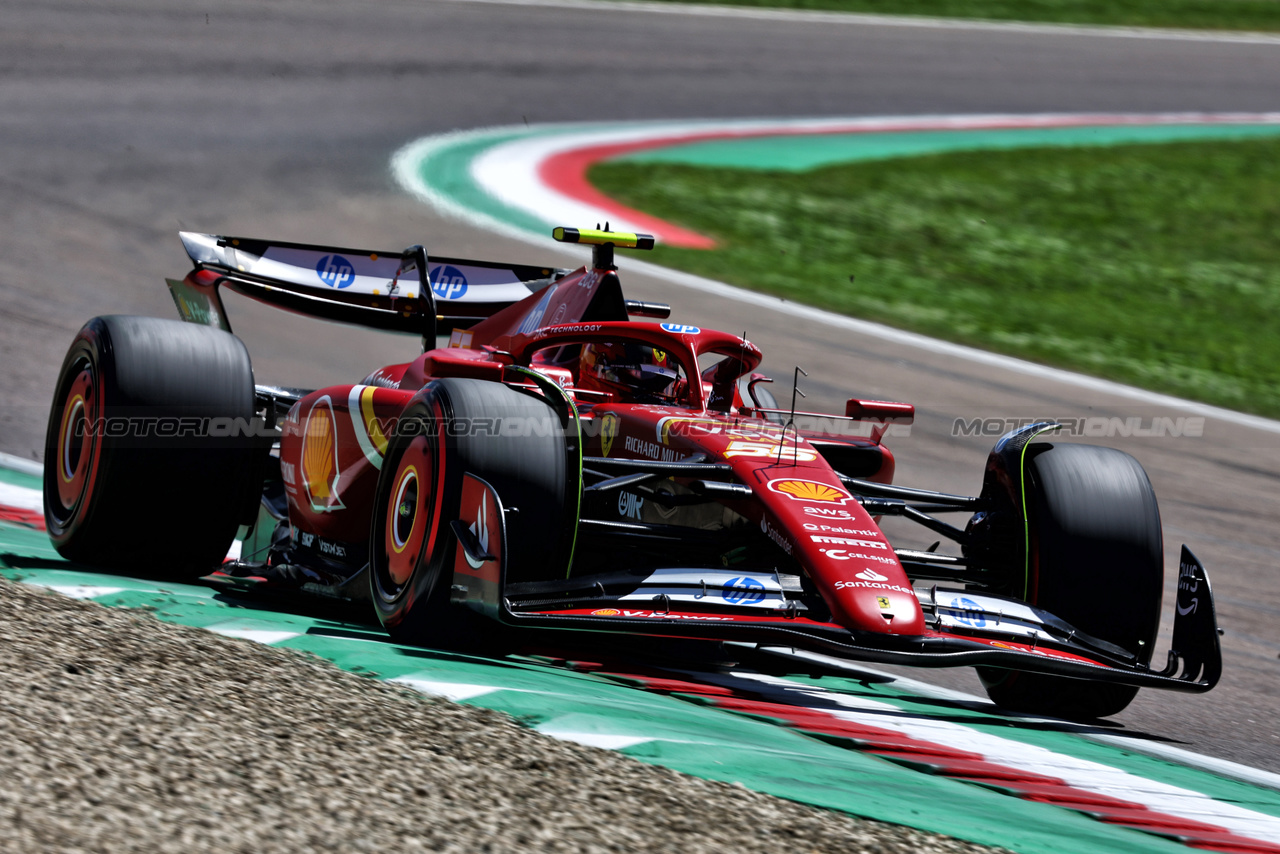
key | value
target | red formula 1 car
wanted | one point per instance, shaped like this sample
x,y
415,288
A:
x,y
561,465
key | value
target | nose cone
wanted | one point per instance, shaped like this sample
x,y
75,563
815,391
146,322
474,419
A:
x,y
842,549
807,512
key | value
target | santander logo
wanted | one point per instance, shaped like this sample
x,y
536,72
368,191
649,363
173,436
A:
x,y
871,575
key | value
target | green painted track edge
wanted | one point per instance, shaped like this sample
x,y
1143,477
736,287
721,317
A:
x,y
804,152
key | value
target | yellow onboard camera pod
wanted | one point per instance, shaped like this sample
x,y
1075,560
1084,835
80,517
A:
x,y
596,237
603,242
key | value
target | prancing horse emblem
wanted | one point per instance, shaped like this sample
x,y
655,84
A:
x,y
608,431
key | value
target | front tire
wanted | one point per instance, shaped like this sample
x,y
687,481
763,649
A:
x,y
132,475
1096,561
453,427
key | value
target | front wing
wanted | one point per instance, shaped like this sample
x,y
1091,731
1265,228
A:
x,y
966,628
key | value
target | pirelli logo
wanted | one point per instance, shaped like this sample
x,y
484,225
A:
x,y
847,541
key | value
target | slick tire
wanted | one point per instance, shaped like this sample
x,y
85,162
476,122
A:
x,y
1097,561
458,428
133,478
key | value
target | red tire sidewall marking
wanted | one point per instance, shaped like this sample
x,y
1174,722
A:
x,y
438,483
416,468
81,414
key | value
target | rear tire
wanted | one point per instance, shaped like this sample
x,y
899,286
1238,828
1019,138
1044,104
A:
x,y
132,478
1097,561
412,549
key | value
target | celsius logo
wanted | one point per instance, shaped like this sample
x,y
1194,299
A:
x,y
448,282
335,271
681,328
743,590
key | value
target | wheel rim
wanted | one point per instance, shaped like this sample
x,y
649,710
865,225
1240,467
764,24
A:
x,y
407,535
77,443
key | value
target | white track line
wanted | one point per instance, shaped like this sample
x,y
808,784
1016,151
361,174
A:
x,y
20,464
77,591
20,496
797,16
257,631
456,692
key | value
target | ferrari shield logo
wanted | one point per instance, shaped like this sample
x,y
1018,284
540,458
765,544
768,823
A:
x,y
608,431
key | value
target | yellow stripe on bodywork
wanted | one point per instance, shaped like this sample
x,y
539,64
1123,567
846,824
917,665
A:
x,y
371,420
364,423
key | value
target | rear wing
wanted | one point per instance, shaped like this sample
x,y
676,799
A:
x,y
393,291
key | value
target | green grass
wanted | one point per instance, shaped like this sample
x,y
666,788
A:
x,y
1156,265
1193,14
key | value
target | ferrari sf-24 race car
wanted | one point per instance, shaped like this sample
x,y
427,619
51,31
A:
x,y
560,465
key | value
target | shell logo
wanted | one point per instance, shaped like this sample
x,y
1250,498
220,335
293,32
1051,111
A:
x,y
317,459
606,612
810,491
320,457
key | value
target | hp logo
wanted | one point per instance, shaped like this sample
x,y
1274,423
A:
x,y
336,271
448,282
971,613
743,590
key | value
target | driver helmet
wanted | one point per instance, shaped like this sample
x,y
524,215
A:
x,y
629,371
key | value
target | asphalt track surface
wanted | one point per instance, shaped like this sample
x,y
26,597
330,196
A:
x,y
121,124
